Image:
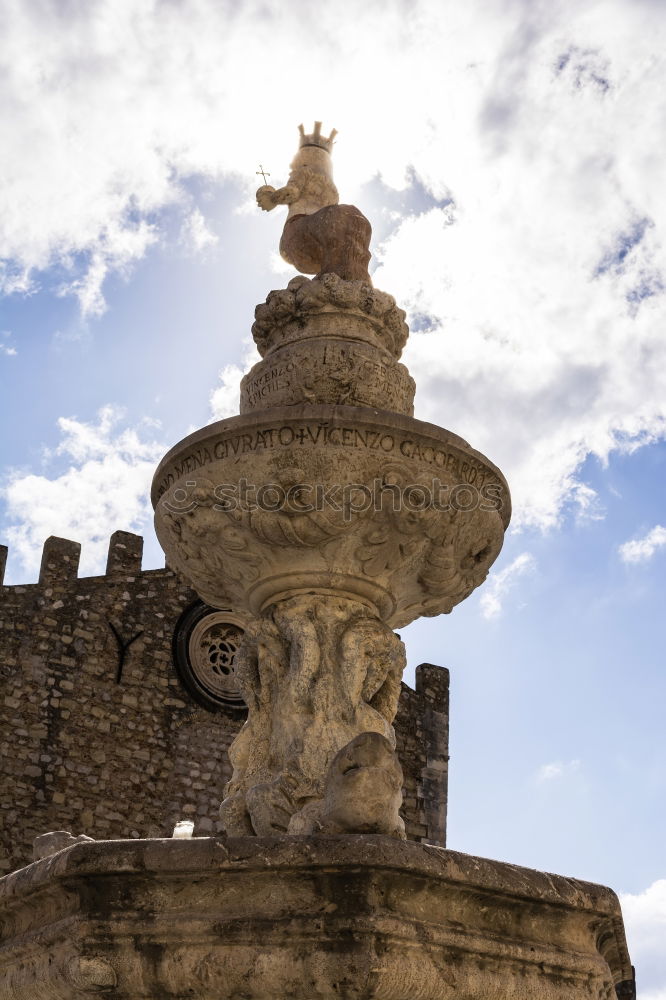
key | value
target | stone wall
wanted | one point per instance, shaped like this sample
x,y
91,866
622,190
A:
x,y
107,741
422,734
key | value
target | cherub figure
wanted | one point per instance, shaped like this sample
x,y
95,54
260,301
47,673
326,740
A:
x,y
320,236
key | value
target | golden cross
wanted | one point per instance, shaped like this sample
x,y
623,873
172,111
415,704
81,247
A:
x,y
264,173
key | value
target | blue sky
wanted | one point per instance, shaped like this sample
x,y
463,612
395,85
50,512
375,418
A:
x,y
509,156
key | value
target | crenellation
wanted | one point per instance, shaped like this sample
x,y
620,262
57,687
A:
x,y
432,683
3,562
60,562
125,554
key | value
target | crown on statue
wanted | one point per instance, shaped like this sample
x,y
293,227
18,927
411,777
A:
x,y
316,138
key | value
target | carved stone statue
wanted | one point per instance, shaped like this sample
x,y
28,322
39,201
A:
x,y
339,544
363,792
316,674
320,236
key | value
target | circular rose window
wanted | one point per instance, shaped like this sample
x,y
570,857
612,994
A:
x,y
204,648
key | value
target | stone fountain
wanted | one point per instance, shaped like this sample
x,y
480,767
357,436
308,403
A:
x,y
326,517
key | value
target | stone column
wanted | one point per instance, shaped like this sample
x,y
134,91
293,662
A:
x,y
316,673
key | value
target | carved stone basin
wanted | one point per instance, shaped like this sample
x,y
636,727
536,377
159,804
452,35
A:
x,y
400,515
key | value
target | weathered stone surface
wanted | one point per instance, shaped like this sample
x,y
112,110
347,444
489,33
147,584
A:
x,y
333,240
374,506
316,519
272,513
57,840
331,370
315,674
353,917
363,790
80,751
329,307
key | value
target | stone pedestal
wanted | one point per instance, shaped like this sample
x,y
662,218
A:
x,y
328,917
329,341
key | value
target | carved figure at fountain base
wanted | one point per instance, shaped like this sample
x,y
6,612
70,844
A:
x,y
363,792
316,672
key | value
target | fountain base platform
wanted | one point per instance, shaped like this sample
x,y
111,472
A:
x,y
303,917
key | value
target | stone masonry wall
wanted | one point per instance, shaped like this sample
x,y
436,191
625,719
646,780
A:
x,y
422,736
120,749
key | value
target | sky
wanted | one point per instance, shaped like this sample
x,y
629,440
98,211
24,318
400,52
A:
x,y
509,155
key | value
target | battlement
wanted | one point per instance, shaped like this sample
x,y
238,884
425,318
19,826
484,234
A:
x,y
61,556
125,554
60,561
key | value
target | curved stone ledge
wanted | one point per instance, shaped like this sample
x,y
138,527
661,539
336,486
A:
x,y
346,478
356,917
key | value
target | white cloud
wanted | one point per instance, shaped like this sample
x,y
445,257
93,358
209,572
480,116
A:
x,y
642,549
196,233
543,280
104,488
224,398
7,349
500,582
117,249
279,266
645,924
557,769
